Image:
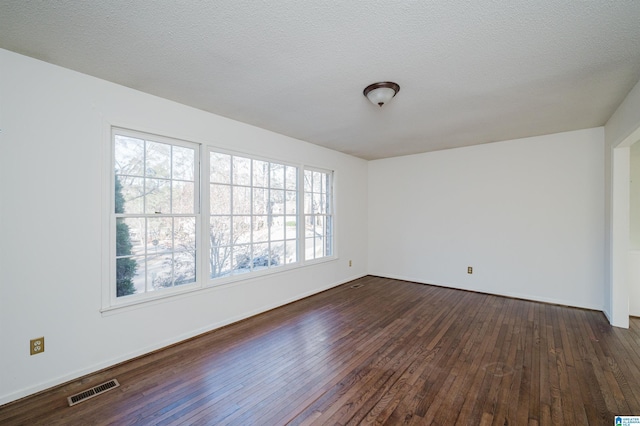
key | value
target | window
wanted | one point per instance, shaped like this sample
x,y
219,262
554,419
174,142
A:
x,y
318,214
177,226
155,211
253,214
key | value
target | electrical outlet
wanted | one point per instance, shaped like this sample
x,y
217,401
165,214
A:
x,y
36,346
469,269
349,264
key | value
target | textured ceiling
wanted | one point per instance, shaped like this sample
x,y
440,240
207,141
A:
x,y
470,71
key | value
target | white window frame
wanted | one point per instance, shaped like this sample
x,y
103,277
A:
x,y
110,301
232,277
329,215
114,300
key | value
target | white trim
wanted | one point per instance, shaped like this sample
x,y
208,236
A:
x,y
112,300
107,192
618,312
203,243
330,213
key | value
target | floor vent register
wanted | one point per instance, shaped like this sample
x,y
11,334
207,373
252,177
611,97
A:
x,y
94,391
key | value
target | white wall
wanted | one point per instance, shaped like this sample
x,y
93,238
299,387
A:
x,y
525,214
52,138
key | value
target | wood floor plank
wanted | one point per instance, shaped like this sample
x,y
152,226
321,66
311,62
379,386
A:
x,y
389,352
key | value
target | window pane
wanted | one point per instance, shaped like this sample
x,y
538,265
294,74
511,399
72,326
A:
x,y
241,171
328,236
318,225
139,279
291,227
160,271
220,261
261,173
291,178
277,176
182,197
318,205
158,196
129,194
277,201
220,199
277,228
261,228
159,235
241,259
158,160
308,181
291,200
183,163
241,229
261,256
308,203
260,201
184,267
319,245
317,181
277,254
291,250
309,249
184,234
220,231
130,236
241,200
129,156
129,276
220,168
309,226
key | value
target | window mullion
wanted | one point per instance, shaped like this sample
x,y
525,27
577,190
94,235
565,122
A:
x,y
302,218
144,210
251,216
269,217
232,208
203,216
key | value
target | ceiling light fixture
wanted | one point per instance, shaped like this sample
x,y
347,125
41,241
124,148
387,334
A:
x,y
381,93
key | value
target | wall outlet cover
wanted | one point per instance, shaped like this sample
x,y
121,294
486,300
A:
x,y
36,346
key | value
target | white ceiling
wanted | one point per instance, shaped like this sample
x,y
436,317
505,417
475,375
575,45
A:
x,y
470,72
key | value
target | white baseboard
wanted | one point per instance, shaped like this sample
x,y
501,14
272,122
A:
x,y
515,295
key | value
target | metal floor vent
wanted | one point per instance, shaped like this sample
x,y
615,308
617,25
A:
x,y
94,391
357,286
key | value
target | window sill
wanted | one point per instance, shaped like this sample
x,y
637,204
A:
x,y
228,281
167,295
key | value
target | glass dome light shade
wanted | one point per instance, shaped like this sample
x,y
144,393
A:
x,y
381,93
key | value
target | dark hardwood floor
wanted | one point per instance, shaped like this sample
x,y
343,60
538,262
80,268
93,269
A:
x,y
388,352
